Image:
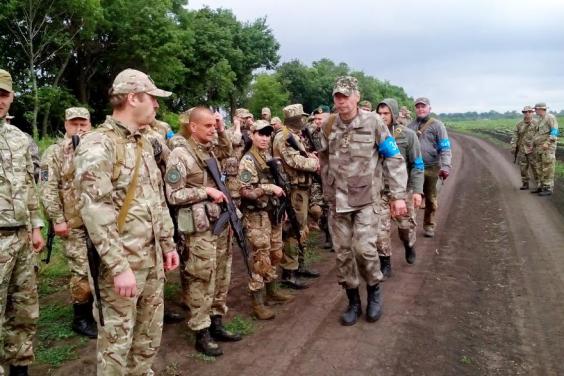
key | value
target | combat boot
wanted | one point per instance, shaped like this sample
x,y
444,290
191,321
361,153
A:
x,y
304,272
290,280
386,266
18,371
219,333
410,254
206,345
354,310
374,306
546,191
277,296
81,323
428,232
537,190
170,317
525,186
260,311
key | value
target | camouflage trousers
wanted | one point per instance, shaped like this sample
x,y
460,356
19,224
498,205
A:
x,y
431,196
19,307
526,162
354,241
76,253
406,225
130,338
300,202
545,163
266,243
208,268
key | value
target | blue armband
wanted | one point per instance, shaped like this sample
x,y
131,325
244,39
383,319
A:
x,y
554,132
388,148
169,134
418,164
444,145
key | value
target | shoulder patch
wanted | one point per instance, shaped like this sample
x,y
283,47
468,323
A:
x,y
245,176
44,175
172,175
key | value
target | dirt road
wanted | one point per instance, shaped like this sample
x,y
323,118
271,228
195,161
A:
x,y
486,297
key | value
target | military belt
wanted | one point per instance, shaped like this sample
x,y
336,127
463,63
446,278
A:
x,y
7,231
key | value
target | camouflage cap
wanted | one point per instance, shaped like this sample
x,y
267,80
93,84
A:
x,y
294,110
259,125
423,100
541,105
345,85
77,112
527,109
265,110
6,81
275,120
243,113
134,81
366,104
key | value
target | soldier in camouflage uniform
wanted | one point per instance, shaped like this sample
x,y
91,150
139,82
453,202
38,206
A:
x,y
125,213
544,145
190,188
33,150
60,201
435,148
259,202
276,123
410,150
298,169
522,144
404,116
265,114
20,220
356,148
365,106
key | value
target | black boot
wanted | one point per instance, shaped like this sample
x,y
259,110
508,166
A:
x,y
537,190
18,371
171,317
374,306
304,272
386,266
409,254
525,186
219,333
83,323
206,345
354,310
290,280
546,191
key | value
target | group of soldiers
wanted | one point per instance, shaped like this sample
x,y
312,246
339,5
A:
x,y
131,200
534,145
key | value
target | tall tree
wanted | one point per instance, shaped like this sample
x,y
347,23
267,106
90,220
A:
x,y
266,91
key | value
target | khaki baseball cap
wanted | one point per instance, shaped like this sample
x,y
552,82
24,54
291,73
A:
x,y
243,113
293,111
527,109
260,125
134,81
265,110
345,85
541,105
423,100
77,112
6,81
275,120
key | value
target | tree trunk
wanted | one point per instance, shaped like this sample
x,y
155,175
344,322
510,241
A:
x,y
48,105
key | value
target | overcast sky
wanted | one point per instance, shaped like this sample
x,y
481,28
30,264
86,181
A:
x,y
464,55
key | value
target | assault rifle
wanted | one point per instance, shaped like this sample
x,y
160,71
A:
x,y
294,145
286,202
229,214
309,137
50,239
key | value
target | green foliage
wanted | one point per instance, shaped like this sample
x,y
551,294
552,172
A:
x,y
55,322
241,325
266,91
56,355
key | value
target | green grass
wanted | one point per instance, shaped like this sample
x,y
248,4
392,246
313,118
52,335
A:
x,y
57,355
241,325
52,276
55,322
466,360
171,290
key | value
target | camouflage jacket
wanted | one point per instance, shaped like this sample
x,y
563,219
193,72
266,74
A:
x,y
435,145
547,130
105,162
408,145
524,133
58,192
19,205
186,176
353,157
298,168
255,173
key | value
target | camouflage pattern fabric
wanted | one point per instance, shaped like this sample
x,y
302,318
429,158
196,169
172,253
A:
x,y
104,162
524,134
130,338
76,254
430,196
407,223
19,307
300,202
544,142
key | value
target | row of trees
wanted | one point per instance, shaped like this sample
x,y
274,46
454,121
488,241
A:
x,y
490,115
64,53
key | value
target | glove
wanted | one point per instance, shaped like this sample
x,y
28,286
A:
x,y
443,174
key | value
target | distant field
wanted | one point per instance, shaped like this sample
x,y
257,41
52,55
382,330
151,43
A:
x,y
500,132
